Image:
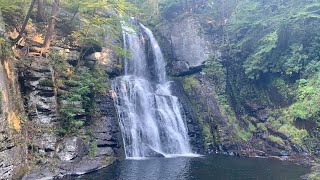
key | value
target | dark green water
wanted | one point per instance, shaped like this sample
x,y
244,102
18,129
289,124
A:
x,y
216,167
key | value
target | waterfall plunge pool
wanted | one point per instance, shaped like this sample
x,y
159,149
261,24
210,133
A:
x,y
213,167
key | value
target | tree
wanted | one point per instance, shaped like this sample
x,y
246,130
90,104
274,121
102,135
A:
x,y
40,11
25,22
51,26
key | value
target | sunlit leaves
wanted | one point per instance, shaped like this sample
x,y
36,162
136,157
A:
x,y
99,18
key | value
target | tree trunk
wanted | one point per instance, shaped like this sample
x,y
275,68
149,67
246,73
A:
x,y
40,11
23,28
52,23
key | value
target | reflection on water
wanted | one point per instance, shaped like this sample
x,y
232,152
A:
x,y
155,168
149,169
217,167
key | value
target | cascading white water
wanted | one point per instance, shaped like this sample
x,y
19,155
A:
x,y
150,117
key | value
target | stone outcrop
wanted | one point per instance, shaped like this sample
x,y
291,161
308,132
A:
x,y
107,58
185,45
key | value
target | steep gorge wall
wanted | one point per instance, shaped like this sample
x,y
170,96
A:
x,y
230,120
93,147
30,118
12,150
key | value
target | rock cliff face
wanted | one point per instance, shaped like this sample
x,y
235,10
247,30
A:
x,y
186,45
12,151
214,121
187,49
30,118
75,154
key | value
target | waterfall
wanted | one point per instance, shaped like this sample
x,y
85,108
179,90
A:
x,y
151,122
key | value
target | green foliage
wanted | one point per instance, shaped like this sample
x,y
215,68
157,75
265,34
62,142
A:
x,y
189,83
295,60
149,10
78,100
13,12
308,99
262,126
5,49
214,68
79,88
92,149
97,22
296,135
276,139
314,176
2,41
46,83
207,134
217,72
277,43
272,60
283,87
244,135
251,127
277,37
10,6
256,63
99,18
283,121
227,111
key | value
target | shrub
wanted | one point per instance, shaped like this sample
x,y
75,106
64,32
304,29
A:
x,y
276,139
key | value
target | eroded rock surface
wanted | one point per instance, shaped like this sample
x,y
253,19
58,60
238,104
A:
x,y
186,46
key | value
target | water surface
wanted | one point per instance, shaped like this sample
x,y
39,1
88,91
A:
x,y
215,167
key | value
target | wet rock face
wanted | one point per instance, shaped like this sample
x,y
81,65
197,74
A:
x,y
106,130
41,99
189,41
10,152
76,155
194,129
185,45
